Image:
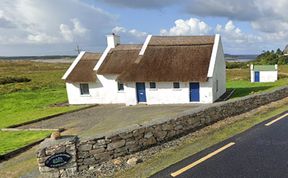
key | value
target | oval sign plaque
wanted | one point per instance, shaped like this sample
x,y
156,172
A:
x,y
58,160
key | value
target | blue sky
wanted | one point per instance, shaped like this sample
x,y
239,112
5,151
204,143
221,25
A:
x,y
29,27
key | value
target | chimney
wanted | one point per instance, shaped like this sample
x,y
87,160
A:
x,y
113,40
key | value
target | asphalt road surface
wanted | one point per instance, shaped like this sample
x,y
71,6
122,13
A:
x,y
260,152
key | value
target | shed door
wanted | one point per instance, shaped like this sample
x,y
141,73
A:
x,y
194,92
141,94
257,76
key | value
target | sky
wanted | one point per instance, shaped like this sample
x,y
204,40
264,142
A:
x,y
56,27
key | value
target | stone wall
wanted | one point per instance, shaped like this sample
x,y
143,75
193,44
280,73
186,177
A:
x,y
51,147
93,151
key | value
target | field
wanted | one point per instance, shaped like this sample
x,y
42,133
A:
x,y
45,94
21,102
13,140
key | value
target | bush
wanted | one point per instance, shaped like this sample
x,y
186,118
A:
x,y
233,65
8,80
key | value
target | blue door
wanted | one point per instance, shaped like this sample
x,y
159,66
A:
x,y
194,92
257,76
141,94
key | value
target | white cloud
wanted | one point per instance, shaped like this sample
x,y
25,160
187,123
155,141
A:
x,y
52,22
232,36
70,33
192,26
41,38
130,36
235,40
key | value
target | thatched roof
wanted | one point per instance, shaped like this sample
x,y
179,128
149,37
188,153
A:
x,y
83,71
168,59
180,40
119,59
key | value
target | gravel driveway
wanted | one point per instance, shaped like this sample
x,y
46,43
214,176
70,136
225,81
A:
x,y
105,118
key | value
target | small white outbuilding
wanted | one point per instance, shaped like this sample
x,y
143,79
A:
x,y
264,73
163,70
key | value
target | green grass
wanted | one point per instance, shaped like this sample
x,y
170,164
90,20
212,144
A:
x,y
239,79
199,142
20,107
22,102
10,141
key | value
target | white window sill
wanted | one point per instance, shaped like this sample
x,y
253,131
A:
x,y
153,89
87,95
121,91
177,89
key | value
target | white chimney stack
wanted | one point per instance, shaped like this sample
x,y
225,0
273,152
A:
x,y
113,40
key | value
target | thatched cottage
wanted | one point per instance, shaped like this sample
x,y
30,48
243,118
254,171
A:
x,y
264,73
163,70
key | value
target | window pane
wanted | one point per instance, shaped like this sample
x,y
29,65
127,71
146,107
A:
x,y
84,89
176,85
152,85
120,86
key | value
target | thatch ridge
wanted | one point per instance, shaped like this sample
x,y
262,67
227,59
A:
x,y
181,40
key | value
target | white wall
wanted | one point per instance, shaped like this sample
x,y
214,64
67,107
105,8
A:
x,y
74,96
104,91
219,73
130,94
265,76
166,94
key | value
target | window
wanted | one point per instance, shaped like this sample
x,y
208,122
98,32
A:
x,y
84,89
152,85
176,85
120,86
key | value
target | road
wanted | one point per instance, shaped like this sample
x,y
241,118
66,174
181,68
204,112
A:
x,y
261,151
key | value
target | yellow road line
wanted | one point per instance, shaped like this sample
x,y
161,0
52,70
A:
x,y
177,173
275,120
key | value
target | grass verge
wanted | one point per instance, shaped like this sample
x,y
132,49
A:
x,y
10,141
20,107
203,139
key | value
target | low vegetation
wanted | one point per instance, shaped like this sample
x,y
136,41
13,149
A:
x,y
22,102
272,57
26,101
10,141
7,80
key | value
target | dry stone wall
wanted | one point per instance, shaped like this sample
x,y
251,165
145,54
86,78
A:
x,y
93,151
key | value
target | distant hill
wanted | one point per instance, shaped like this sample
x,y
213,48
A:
x,y
36,57
240,58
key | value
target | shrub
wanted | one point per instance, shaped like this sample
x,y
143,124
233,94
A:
x,y
8,80
233,65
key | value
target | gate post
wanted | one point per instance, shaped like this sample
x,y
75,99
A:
x,y
57,158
